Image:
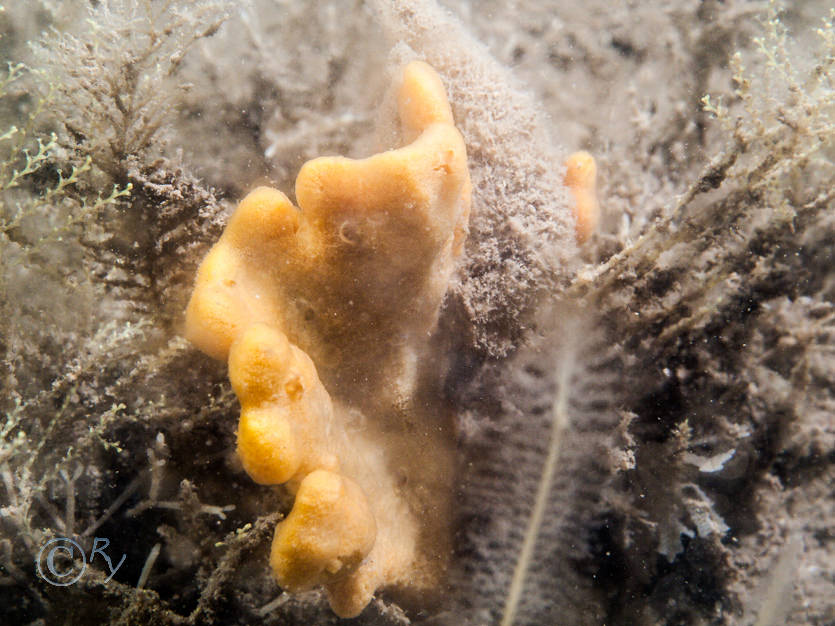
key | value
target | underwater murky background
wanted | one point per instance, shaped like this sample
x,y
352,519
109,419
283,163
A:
x,y
687,350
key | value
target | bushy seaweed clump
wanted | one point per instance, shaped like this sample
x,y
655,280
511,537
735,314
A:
x,y
92,216
113,425
724,312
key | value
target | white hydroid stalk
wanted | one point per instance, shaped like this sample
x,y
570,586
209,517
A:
x,y
778,594
559,422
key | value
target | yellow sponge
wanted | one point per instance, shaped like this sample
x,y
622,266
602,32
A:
x,y
580,178
350,281
373,238
327,534
285,411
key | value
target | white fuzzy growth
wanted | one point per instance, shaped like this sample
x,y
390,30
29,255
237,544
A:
x,y
521,229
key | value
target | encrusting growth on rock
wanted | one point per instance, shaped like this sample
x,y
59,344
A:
x,y
347,287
